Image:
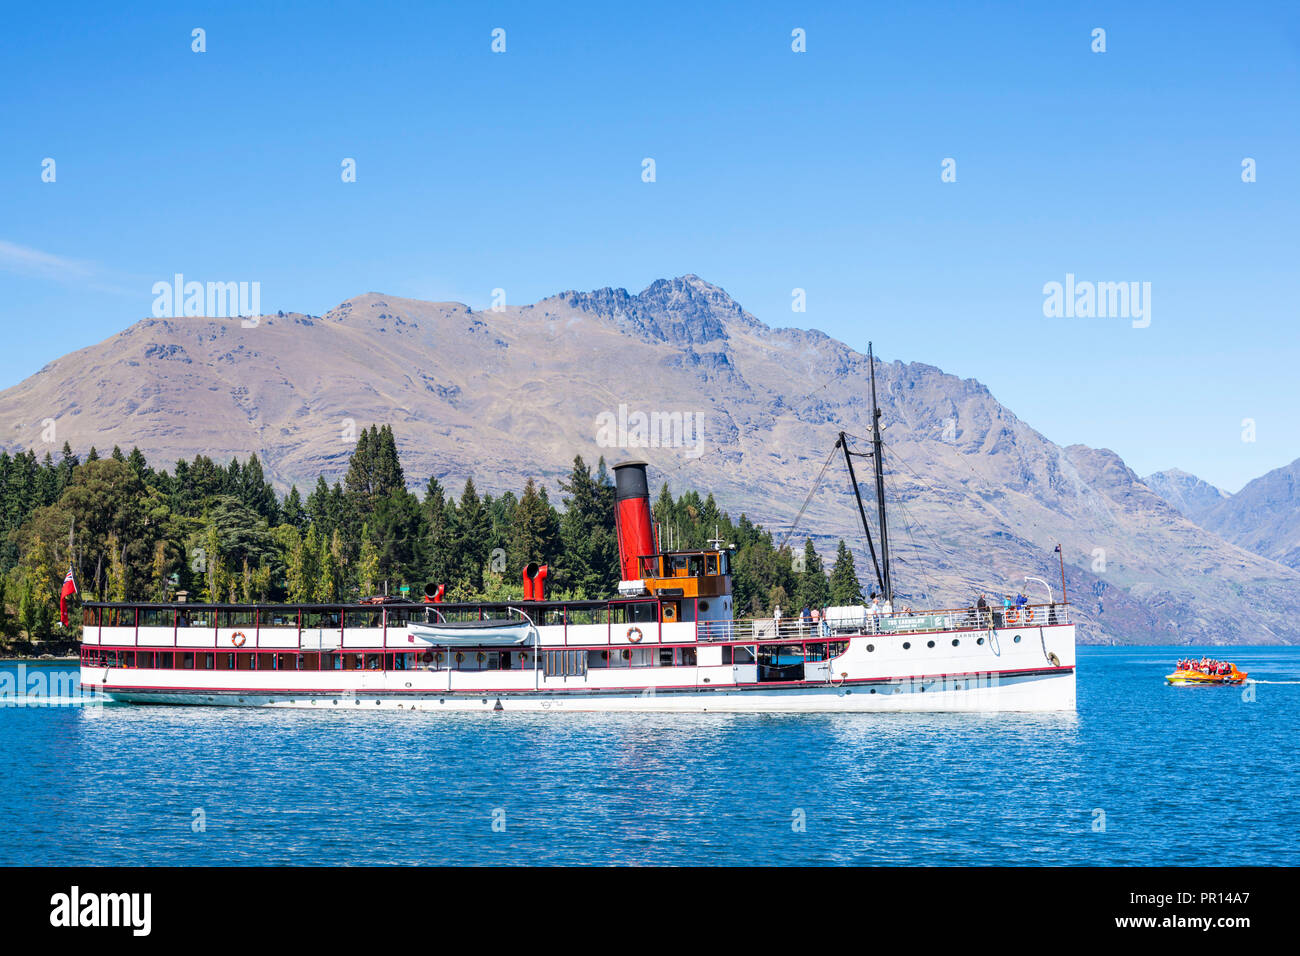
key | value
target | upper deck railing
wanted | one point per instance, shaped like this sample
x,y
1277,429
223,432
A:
x,y
899,622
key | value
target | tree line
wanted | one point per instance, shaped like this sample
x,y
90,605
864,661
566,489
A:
x,y
131,532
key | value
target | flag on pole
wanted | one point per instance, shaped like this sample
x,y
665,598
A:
x,y
69,587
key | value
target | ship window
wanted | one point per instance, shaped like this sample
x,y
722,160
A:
x,y
686,657
244,661
225,662
665,657
711,564
697,566
363,617
870,648
187,661
128,659
287,662
207,661
372,662
929,644
266,662
586,615
238,617
726,654
90,617
744,655
955,642
979,640
200,617
907,645
157,617
119,617
279,617
164,659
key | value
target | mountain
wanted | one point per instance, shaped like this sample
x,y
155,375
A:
x,y
979,498
1264,516
1190,496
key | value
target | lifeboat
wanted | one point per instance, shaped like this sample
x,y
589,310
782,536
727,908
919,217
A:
x,y
1193,675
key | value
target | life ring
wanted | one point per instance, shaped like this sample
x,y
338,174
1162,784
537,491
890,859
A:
x,y
627,655
1029,615
481,657
427,657
1013,617
634,634
238,639
523,657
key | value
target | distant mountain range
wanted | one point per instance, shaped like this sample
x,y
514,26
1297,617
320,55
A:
x,y
979,499
1263,517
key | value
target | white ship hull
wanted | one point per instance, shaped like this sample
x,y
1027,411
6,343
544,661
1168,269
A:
x,y
1009,669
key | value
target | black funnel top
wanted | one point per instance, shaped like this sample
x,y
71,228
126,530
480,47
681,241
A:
x,y
630,480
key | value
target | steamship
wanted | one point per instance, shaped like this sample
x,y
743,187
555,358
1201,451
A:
x,y
668,641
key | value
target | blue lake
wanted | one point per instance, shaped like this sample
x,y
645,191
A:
x,y
1144,774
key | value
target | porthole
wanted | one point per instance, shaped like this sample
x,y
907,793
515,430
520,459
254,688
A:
x,y
955,642
336,703
873,690
870,648
376,703
979,640
930,644
704,605
1016,639
906,645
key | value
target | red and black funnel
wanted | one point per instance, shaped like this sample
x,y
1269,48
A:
x,y
632,518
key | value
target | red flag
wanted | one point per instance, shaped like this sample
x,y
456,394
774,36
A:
x,y
69,587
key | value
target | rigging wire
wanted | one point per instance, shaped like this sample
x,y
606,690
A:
x,y
808,500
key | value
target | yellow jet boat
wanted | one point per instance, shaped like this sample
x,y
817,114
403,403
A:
x,y
1192,675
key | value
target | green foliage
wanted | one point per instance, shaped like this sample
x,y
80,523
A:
x,y
846,589
219,532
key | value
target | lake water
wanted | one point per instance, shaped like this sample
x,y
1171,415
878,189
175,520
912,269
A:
x,y
1143,774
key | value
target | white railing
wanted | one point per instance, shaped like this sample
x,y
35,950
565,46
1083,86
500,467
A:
x,y
900,622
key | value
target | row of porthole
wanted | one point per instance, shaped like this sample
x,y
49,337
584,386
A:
x,y
907,645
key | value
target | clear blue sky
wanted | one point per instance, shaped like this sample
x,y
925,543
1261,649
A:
x,y
775,170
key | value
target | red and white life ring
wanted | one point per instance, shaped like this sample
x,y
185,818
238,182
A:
x,y
634,634
238,639
1029,615
1013,617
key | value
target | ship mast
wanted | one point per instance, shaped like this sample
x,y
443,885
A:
x,y
843,443
887,584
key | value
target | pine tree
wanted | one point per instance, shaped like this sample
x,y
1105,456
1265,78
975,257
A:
x,y
368,564
534,535
471,535
812,590
292,511
846,589
587,538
